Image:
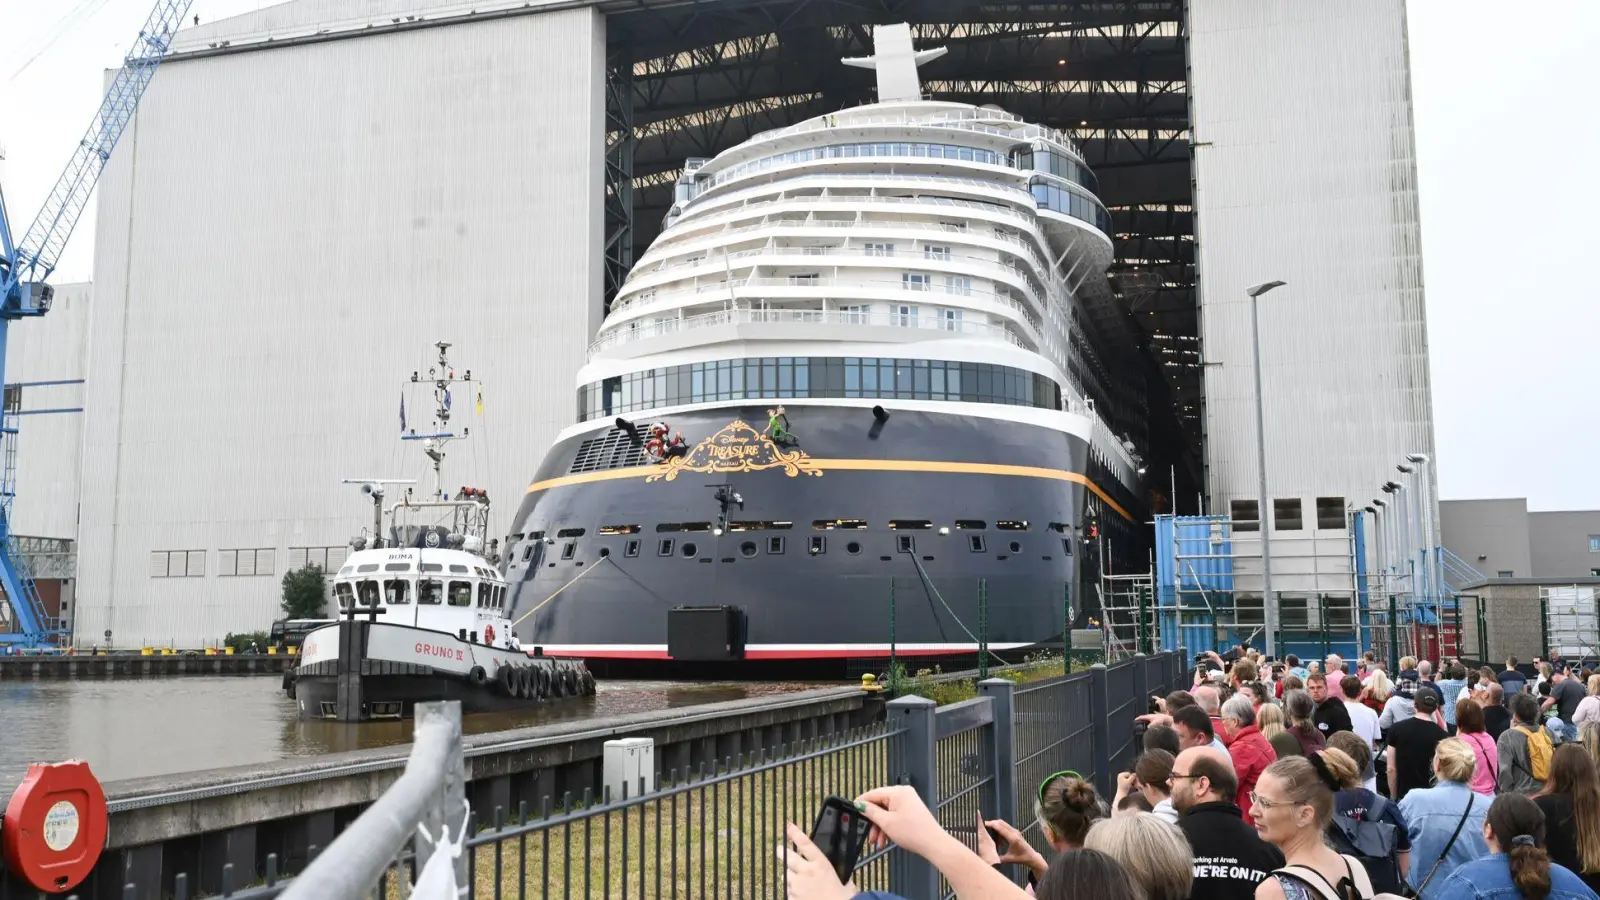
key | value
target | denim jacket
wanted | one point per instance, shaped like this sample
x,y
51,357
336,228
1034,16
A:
x,y
1490,879
1431,816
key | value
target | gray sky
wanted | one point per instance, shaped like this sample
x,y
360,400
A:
x,y
1503,139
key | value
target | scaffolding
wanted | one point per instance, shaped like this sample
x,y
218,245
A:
x,y
1571,625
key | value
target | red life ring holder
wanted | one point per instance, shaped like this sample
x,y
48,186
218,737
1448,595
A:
x,y
55,826
488,634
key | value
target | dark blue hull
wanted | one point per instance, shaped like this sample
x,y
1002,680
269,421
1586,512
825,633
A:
x,y
954,508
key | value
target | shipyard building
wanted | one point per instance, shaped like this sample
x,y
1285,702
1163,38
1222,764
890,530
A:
x,y
313,194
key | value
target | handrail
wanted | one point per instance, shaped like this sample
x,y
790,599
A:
x,y
964,119
430,794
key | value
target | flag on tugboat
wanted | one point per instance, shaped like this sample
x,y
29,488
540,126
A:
x,y
480,399
402,411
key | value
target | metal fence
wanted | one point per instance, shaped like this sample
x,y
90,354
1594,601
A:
x,y
719,831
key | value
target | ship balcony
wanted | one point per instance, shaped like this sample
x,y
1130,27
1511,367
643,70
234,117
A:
x,y
973,119
853,325
954,159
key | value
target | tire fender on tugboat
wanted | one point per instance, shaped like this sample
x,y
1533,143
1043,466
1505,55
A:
x,y
506,678
478,675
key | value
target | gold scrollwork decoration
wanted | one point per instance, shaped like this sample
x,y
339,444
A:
x,y
737,448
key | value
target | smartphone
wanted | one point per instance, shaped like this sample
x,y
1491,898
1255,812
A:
x,y
840,833
1001,845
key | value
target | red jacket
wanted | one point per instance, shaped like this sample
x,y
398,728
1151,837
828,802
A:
x,y
1251,755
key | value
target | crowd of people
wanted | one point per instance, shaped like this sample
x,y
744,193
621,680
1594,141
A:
x,y
1283,780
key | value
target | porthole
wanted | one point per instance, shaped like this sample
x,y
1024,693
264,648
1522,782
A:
x,y
1015,546
605,552
747,549
664,548
690,551
852,548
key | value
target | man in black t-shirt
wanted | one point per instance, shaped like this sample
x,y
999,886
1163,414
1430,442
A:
x,y
1496,718
1230,859
1411,745
1565,695
1511,681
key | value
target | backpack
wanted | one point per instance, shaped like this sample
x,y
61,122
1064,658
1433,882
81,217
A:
x,y
1539,752
1371,842
1355,887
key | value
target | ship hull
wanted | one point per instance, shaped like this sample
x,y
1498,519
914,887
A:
x,y
928,591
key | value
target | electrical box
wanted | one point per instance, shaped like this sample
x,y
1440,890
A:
x,y
627,761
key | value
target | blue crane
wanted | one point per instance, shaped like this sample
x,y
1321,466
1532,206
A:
x,y
24,293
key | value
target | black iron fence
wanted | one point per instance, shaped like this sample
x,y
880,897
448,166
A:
x,y
718,831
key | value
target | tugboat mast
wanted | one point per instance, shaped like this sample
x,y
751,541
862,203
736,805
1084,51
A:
x,y
443,377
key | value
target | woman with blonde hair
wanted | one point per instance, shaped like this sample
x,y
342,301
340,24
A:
x,y
1154,852
1589,737
1589,707
1377,691
1444,822
1293,806
1269,718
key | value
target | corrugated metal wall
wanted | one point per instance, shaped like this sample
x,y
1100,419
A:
x,y
50,349
1306,173
282,234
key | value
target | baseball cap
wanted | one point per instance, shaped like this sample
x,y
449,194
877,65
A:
x,y
1427,701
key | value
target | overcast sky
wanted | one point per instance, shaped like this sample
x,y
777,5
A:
x,y
1505,140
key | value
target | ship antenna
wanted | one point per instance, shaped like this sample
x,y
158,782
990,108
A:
x,y
433,444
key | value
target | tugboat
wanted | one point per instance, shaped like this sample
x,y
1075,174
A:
x,y
423,605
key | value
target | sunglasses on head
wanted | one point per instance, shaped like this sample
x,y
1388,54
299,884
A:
x,y
1046,783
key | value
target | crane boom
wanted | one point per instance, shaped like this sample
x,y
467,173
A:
x,y
23,292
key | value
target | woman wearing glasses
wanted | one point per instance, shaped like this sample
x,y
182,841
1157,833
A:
x,y
1293,804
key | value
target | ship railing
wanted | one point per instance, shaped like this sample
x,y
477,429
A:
x,y
1019,195
664,327
888,150
963,119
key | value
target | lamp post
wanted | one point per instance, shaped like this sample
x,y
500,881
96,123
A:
x,y
1430,542
1269,604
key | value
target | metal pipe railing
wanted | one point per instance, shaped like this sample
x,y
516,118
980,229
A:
x,y
430,793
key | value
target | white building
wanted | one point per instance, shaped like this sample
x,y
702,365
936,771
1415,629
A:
x,y
312,194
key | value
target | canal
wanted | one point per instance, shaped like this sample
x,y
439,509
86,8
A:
x,y
131,728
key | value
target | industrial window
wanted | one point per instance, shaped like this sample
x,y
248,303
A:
x,y
1594,543
631,548
1594,573
1246,515
1505,573
1248,610
664,548
1330,513
244,562
178,564
1293,614
396,592
460,593
430,593
328,559
1338,611
907,543
1286,514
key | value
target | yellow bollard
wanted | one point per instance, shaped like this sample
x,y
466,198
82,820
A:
x,y
211,651
227,651
293,651
146,651
272,651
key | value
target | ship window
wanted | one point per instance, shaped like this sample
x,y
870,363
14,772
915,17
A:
x,y
396,592
432,567
760,526
499,596
460,593
975,543
1066,546
775,545
819,544
1012,525
367,593
747,549
665,547
484,589
1061,527
936,251
345,595
527,552
907,543
459,570
696,526
430,592
605,552
690,551
910,524
631,549
667,527
971,525
619,529
839,524
397,567
852,548
570,533
1015,546
537,536
569,549
368,567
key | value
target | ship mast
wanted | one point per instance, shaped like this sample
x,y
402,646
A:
x,y
443,377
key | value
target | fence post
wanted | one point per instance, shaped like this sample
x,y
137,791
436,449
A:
x,y
983,628
894,675
1002,695
449,806
910,875
1100,731
1141,688
1394,637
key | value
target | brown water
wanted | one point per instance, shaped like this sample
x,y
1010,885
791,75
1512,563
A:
x,y
132,728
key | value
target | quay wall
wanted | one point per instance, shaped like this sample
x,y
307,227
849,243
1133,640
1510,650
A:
x,y
36,668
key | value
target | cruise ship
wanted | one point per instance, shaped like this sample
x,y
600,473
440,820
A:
x,y
854,395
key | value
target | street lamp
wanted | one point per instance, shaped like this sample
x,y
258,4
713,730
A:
x,y
1269,605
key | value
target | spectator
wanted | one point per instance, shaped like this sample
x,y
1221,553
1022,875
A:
x,y
1364,760
1450,688
1524,750
1411,747
1133,804
1514,833
1269,718
1293,805
1589,736
1195,729
1358,802
1242,673
1444,823
1295,669
1162,737
1077,874
1376,692
1335,667
1230,860
1330,715
1496,718
1250,751
1570,802
1363,721
1565,695
1178,700
1478,689
1470,728
899,815
1153,851
1259,693
1067,806
1589,708
1291,683
1512,680
1151,779
1300,709
1407,679
1210,700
